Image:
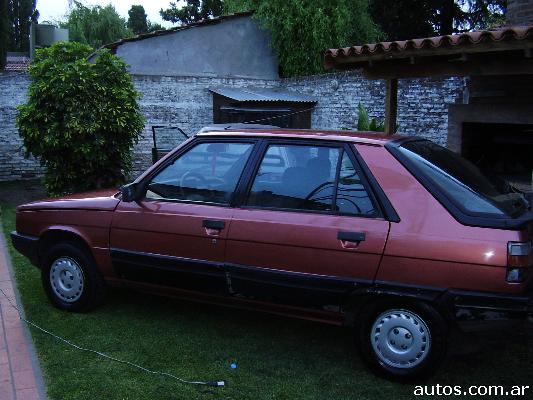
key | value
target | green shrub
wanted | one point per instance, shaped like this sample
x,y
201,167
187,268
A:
x,y
365,124
376,126
81,118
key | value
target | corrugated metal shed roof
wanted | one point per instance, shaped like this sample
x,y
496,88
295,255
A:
x,y
262,94
507,38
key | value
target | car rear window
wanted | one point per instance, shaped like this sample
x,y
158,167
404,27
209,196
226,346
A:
x,y
462,182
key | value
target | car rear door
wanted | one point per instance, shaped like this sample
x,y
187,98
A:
x,y
176,235
308,230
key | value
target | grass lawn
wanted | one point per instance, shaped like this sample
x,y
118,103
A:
x,y
277,358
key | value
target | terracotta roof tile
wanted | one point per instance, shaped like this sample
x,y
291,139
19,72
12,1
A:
x,y
511,34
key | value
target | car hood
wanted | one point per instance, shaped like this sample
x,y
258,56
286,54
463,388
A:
x,y
101,200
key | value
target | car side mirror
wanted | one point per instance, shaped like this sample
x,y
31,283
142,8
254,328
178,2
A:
x,y
130,192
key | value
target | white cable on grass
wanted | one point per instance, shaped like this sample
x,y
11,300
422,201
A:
x,y
99,353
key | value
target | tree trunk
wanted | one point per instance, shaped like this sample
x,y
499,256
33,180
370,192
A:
x,y
446,17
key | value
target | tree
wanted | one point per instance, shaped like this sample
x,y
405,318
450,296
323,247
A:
x,y
154,26
137,21
95,25
482,14
20,14
404,19
193,11
4,33
81,118
408,19
301,30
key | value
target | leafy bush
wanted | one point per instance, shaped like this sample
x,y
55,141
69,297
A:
x,y
81,118
365,124
362,119
376,126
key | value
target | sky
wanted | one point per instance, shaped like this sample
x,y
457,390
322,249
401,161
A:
x,y
52,10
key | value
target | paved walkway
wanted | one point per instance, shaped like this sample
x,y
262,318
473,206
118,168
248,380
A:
x,y
20,375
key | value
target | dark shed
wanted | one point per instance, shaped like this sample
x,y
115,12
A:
x,y
282,108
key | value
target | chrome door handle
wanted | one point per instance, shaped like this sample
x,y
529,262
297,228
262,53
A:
x,y
351,240
213,224
213,227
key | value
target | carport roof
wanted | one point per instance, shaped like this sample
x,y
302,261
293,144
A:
x,y
262,94
504,50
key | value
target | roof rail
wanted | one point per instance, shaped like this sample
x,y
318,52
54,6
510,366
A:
x,y
230,126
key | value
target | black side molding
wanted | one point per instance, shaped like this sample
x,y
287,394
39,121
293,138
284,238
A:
x,y
27,246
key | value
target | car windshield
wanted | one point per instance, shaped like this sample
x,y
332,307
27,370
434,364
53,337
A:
x,y
462,182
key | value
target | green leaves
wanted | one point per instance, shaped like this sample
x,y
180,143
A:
x,y
302,30
192,11
95,25
365,124
362,120
81,118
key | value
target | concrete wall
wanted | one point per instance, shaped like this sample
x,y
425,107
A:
x,y
13,165
234,47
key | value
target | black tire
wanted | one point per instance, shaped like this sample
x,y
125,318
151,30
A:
x,y
87,294
385,330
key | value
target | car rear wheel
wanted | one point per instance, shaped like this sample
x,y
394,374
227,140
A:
x,y
71,279
403,342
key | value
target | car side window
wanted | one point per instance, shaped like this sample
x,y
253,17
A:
x,y
352,197
208,172
296,177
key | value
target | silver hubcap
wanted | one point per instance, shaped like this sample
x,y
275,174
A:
x,y
400,339
67,280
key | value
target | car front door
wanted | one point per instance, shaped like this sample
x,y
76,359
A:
x,y
308,231
176,235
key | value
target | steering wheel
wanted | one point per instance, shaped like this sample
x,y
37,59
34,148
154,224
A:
x,y
317,189
215,180
191,176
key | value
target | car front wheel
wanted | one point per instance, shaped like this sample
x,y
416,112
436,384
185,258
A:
x,y
71,279
403,342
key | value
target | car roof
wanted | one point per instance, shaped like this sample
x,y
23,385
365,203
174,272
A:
x,y
373,138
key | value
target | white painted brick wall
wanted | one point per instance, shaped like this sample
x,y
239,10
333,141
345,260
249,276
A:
x,y
186,102
422,103
13,165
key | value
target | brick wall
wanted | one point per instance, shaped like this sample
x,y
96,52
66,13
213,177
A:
x,y
13,165
422,103
179,101
186,102
519,12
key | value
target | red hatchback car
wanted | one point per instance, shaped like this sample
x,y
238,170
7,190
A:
x,y
396,236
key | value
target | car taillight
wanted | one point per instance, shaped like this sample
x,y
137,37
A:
x,y
519,259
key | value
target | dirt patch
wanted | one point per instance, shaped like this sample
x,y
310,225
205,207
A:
x,y
20,192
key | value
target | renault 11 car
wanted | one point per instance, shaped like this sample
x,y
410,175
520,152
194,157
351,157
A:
x,y
400,238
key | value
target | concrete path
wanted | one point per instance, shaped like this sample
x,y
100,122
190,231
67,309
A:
x,y
20,374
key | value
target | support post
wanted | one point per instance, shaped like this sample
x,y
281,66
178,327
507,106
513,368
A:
x,y
391,105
